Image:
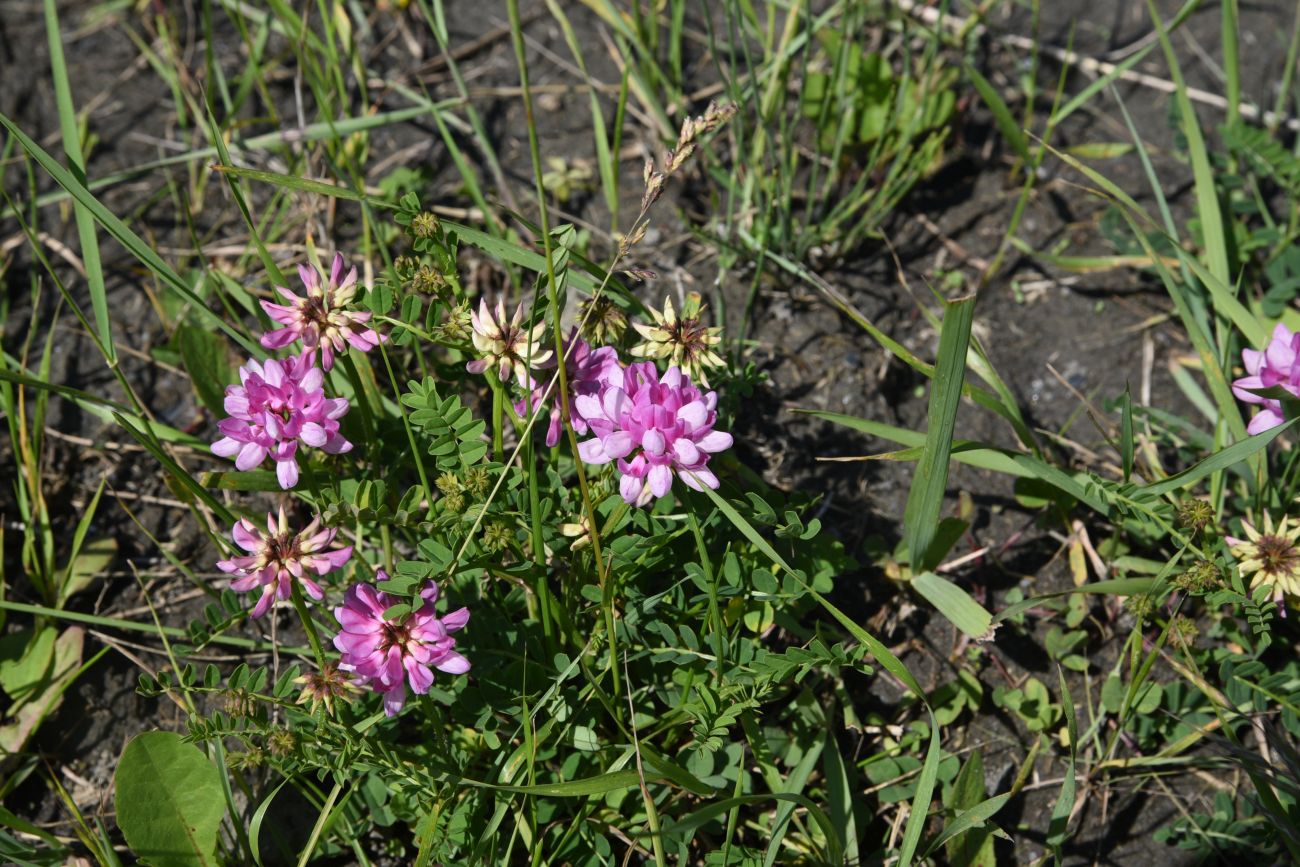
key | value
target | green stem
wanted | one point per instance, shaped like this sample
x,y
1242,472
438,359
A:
x,y
300,605
539,550
363,397
517,36
715,615
498,416
319,827
410,435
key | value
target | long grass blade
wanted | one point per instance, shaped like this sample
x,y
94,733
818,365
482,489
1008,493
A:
x,y
86,234
925,499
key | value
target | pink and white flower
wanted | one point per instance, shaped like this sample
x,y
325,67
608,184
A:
x,y
1274,366
506,344
387,654
276,406
587,372
653,428
319,320
277,557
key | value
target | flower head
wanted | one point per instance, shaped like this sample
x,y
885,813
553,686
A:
x,y
1274,365
1270,558
385,654
684,339
587,371
278,556
324,687
319,319
507,345
603,321
653,428
278,405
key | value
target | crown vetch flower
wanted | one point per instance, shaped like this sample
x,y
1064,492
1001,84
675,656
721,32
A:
x,y
279,404
1274,365
507,345
587,371
654,428
386,654
1270,558
683,340
278,556
319,320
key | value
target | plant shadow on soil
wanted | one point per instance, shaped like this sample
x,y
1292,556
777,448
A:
x,y
1089,328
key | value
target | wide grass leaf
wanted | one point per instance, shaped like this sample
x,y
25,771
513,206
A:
x,y
169,801
955,604
921,516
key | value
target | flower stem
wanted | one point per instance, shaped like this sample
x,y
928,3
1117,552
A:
x,y
715,615
363,397
539,550
313,638
517,37
498,416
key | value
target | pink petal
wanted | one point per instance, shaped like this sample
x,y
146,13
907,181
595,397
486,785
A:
x,y
249,456
452,663
714,442
287,473
591,451
618,444
420,676
630,487
660,479
654,443
313,434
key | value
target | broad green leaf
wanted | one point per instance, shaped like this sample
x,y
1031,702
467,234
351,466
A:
x,y
920,809
955,604
37,682
967,844
93,559
169,801
26,660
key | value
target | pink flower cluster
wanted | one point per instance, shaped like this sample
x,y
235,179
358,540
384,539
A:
x,y
278,557
388,653
276,406
382,652
1274,366
319,319
587,372
654,428
280,404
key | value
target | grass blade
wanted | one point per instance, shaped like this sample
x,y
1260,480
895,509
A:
x,y
924,501
1007,125
924,794
86,235
1207,197
955,604
127,238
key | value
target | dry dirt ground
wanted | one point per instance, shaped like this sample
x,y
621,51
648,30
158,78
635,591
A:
x,y
1051,334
